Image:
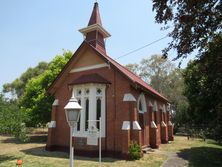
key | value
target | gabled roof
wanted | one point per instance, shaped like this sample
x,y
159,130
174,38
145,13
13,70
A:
x,y
131,76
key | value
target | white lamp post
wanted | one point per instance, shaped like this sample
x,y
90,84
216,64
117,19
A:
x,y
72,110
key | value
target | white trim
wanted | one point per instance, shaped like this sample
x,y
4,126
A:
x,y
150,104
136,126
163,124
52,124
142,99
170,123
164,108
128,97
126,125
153,125
89,67
56,102
155,107
93,27
92,96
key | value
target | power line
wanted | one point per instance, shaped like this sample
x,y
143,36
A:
x,y
142,47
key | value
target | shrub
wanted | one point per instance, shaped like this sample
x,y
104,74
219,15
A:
x,y
134,151
11,120
21,133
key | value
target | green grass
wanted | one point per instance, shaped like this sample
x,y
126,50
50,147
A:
x,y
197,152
34,155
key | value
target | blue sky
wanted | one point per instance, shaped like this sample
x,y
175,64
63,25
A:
x,y
34,31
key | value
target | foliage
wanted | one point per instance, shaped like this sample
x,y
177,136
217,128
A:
x,y
155,71
17,87
194,23
9,116
34,101
134,68
203,80
134,151
21,133
11,119
163,76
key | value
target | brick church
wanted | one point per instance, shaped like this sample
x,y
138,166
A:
x,y
129,108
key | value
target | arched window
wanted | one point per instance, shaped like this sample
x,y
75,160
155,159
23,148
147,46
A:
x,y
141,104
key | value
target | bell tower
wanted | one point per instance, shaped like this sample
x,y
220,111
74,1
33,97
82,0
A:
x,y
94,33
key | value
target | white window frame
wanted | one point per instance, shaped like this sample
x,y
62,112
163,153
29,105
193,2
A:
x,y
92,96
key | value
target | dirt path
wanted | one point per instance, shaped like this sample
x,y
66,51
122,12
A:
x,y
173,159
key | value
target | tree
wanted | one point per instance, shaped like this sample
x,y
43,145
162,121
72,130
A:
x,y
11,119
163,76
203,82
155,71
35,102
194,23
17,87
133,68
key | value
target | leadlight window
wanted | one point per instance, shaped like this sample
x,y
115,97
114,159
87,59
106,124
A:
x,y
87,114
98,91
79,92
92,99
87,91
98,111
78,123
140,106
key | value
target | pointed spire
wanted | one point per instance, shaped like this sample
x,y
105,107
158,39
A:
x,y
94,33
95,16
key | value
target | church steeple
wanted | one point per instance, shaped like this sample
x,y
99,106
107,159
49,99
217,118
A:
x,y
95,16
94,33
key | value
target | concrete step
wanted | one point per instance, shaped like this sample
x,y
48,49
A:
x,y
147,150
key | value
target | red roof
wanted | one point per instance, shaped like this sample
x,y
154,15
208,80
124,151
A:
x,y
133,77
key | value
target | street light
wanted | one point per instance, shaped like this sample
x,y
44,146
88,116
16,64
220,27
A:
x,y
72,110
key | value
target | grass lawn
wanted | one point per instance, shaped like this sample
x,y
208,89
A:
x,y
196,151
34,155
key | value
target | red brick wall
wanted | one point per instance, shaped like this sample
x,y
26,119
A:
x,y
117,111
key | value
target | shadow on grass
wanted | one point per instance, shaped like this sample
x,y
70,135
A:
x,y
4,158
202,156
33,139
40,151
214,142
